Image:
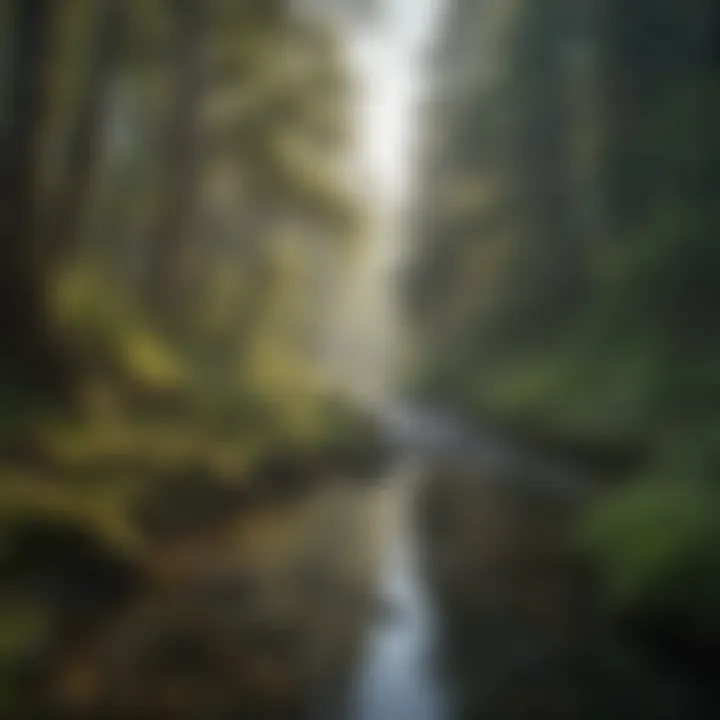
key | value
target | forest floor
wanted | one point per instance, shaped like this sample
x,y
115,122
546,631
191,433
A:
x,y
151,573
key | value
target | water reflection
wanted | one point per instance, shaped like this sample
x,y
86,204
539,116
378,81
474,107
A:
x,y
524,630
398,678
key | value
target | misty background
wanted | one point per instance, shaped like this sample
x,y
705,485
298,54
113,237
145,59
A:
x,y
359,359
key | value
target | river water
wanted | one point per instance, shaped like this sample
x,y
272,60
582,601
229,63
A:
x,y
487,611
397,679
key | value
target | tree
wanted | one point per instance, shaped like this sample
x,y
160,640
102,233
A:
x,y
22,314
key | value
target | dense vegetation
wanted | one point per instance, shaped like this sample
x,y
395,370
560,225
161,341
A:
x,y
566,278
179,231
175,213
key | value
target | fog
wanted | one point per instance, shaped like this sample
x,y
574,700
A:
x,y
359,359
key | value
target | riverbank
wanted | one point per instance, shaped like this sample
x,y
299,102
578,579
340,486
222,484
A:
x,y
527,632
162,569
260,615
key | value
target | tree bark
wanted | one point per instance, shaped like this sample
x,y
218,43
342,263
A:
x,y
168,242
85,142
23,318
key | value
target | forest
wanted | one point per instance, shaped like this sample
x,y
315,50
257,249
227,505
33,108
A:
x,y
174,216
195,497
566,277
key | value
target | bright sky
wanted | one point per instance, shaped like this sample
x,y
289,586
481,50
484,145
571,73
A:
x,y
389,53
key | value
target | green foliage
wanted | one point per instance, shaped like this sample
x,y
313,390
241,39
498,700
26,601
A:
x,y
567,281
659,546
175,211
23,632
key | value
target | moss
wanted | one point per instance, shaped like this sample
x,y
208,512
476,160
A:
x,y
658,546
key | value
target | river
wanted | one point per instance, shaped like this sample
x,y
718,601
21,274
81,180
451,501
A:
x,y
397,678
400,675
488,609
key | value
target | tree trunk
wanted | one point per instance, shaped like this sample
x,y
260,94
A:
x,y
166,264
26,352
86,137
